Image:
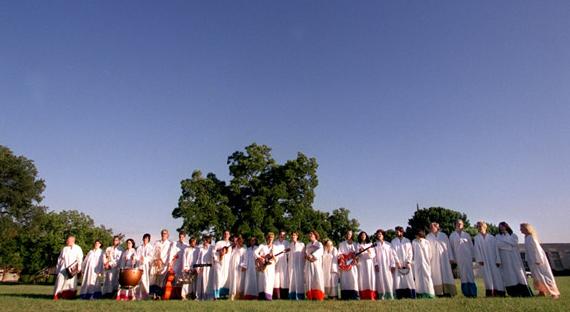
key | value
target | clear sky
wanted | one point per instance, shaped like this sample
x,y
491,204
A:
x,y
460,104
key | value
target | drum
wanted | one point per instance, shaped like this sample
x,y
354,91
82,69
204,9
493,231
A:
x,y
129,278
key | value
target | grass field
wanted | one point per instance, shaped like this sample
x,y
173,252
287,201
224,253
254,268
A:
x,y
38,298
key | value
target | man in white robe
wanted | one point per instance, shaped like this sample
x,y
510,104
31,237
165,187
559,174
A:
x,y
512,268
487,255
366,272
181,246
164,252
266,277
348,279
92,269
422,267
330,270
385,266
462,253
202,263
248,267
145,253
220,269
280,288
112,257
236,274
189,289
70,261
441,273
404,284
296,276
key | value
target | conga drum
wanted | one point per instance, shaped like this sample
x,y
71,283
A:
x,y
130,277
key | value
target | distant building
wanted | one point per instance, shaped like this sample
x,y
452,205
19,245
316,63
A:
x,y
558,256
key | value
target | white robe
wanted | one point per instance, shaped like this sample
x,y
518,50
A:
x,y
236,276
348,279
403,253
111,284
314,280
441,273
462,253
266,278
179,262
281,266
486,252
512,268
70,255
92,269
221,270
422,268
296,270
540,269
204,256
250,290
129,260
187,261
330,272
145,252
385,262
366,272
165,251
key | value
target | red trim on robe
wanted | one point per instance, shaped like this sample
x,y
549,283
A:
x,y
315,294
367,294
250,297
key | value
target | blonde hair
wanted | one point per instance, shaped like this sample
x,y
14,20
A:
x,y
270,234
530,229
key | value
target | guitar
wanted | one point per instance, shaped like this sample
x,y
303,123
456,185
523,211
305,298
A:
x,y
224,250
346,261
262,262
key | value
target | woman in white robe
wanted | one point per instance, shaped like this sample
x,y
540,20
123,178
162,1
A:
x,y
236,275
512,268
487,256
145,254
71,256
248,267
404,285
129,260
314,280
220,269
296,268
349,278
281,286
422,266
330,270
202,263
441,273
92,269
384,265
189,289
365,266
266,277
112,258
462,253
538,263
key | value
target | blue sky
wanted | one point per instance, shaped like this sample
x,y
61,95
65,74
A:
x,y
459,104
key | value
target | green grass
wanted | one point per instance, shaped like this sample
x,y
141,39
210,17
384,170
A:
x,y
38,298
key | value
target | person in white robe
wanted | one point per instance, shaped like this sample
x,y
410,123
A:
x,y
164,253
542,276
422,266
92,269
349,278
404,285
70,260
129,260
112,257
281,288
145,254
314,279
178,264
220,268
365,266
296,264
441,273
189,289
385,266
202,264
487,255
236,274
330,270
512,267
249,268
462,253
266,277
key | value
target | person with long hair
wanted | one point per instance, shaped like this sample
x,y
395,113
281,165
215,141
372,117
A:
x,y
314,281
348,278
266,275
384,265
92,269
511,268
330,269
202,263
248,267
538,263
220,266
128,260
145,252
112,258
487,256
296,268
462,253
190,253
236,275
422,265
441,273
366,273
404,284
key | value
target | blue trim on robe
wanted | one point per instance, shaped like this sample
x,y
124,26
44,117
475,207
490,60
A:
x,y
222,292
469,290
296,296
96,295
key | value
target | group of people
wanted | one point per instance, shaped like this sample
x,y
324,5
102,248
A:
x,y
282,269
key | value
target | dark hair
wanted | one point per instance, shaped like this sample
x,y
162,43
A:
x,y
146,235
507,227
132,241
96,242
380,231
254,241
114,237
420,233
317,236
182,232
363,240
399,229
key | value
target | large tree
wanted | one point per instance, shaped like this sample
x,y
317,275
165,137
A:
x,y
446,219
